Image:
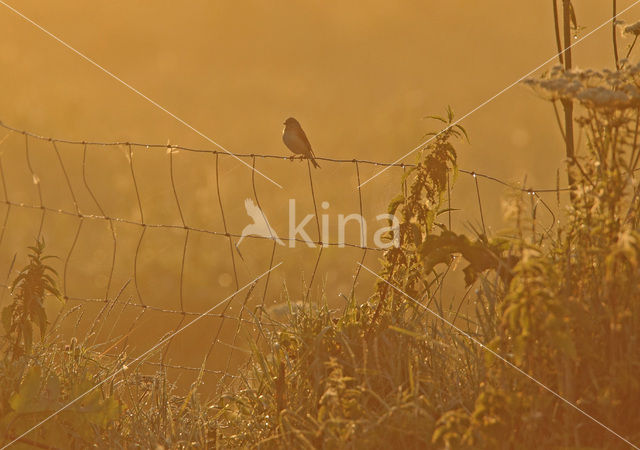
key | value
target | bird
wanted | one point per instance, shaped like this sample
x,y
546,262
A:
x,y
294,138
259,227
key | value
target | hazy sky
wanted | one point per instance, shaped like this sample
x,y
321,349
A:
x,y
359,76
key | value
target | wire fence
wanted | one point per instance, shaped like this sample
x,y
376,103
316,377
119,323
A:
x,y
112,307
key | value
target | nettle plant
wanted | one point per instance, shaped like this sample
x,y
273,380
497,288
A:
x,y
28,291
426,241
39,377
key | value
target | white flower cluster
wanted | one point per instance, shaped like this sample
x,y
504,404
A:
x,y
606,89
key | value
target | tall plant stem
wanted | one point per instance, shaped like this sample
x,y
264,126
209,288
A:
x,y
567,104
556,22
615,35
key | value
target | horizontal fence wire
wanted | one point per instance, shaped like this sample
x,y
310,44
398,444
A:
x,y
278,157
151,307
108,301
172,366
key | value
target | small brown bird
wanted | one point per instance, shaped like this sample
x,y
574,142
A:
x,y
294,138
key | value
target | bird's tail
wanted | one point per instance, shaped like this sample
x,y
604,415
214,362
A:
x,y
312,157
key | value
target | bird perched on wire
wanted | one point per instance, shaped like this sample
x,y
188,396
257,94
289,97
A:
x,y
294,138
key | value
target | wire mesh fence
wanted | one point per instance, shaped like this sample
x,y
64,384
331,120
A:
x,y
70,206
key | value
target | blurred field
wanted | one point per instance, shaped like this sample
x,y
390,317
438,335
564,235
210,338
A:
x,y
359,77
